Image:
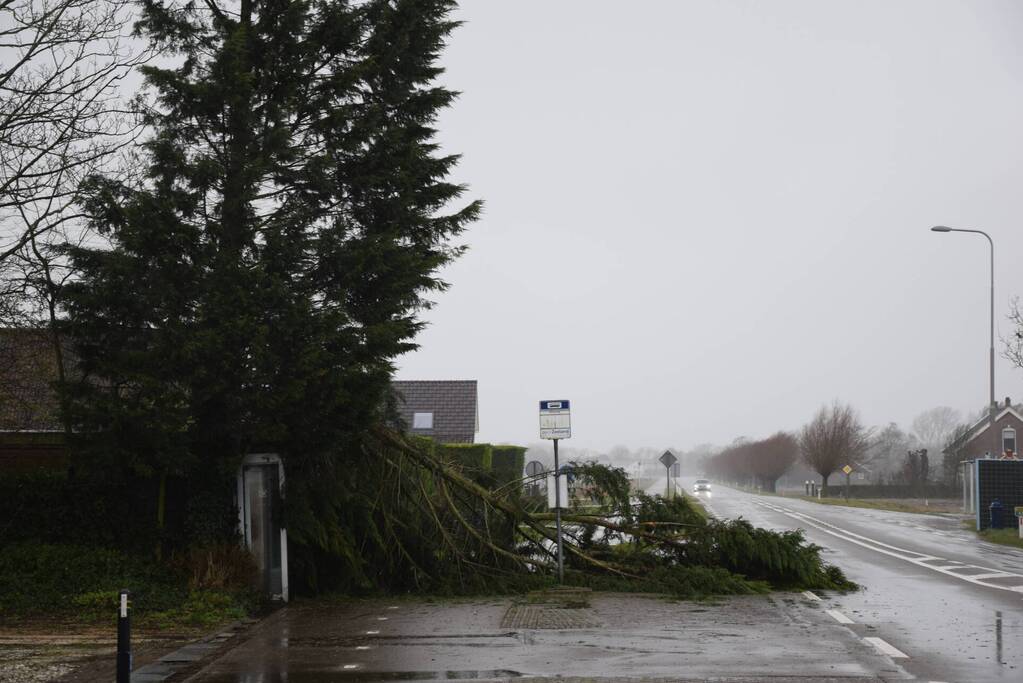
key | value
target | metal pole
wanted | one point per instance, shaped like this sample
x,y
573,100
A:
x,y
996,450
124,639
991,405
557,513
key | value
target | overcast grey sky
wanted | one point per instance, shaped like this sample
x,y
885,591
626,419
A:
x,y
705,219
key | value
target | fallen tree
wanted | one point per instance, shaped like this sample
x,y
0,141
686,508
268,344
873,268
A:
x,y
484,540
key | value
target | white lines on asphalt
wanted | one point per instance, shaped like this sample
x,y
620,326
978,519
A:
x,y
992,575
351,666
381,618
372,633
810,595
362,647
839,617
392,607
911,556
887,649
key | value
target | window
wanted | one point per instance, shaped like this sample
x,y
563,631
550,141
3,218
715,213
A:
x,y
422,420
1009,440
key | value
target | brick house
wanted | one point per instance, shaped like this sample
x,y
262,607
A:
x,y
31,433
979,441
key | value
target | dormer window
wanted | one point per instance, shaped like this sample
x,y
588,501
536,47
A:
x,y
1009,440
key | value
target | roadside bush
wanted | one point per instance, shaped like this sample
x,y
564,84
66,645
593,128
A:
x,y
42,579
223,565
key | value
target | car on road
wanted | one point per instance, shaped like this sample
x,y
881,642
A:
x,y
701,485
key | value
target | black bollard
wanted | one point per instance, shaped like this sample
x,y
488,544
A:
x,y
123,639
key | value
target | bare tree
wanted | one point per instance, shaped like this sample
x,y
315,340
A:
x,y
1013,350
886,451
63,116
773,456
932,427
954,453
834,438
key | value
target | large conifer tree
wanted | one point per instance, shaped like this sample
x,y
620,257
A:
x,y
262,277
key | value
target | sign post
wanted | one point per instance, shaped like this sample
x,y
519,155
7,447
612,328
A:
x,y
848,470
556,424
124,658
668,459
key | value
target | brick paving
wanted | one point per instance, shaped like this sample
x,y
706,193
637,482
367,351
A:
x,y
548,617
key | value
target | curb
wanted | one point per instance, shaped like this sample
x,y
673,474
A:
x,y
189,655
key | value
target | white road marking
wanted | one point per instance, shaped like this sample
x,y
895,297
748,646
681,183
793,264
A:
x,y
886,648
812,596
992,575
351,666
919,559
372,633
362,647
839,617
381,618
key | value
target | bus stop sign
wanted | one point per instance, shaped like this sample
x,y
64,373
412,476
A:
x,y
555,420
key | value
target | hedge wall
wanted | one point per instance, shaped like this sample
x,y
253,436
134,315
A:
x,y
475,459
49,507
509,463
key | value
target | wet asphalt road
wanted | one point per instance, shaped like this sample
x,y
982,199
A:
x,y
950,602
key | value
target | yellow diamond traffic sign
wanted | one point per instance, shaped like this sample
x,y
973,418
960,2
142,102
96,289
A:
x,y
847,469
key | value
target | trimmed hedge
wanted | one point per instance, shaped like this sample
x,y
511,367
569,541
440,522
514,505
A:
x,y
508,464
475,459
113,511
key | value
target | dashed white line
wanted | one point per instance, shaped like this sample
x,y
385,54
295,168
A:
x,y
839,617
919,559
886,648
811,595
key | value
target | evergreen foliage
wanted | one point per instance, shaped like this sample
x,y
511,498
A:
x,y
261,278
258,283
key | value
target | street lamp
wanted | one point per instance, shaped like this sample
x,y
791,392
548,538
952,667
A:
x,y
991,350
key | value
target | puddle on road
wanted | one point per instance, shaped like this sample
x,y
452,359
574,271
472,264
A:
x,y
369,676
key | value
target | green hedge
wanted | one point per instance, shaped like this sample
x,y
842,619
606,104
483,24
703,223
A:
x,y
475,459
113,511
508,465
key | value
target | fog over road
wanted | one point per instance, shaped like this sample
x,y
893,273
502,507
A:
x,y
952,604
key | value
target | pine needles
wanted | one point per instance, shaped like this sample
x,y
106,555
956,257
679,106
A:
x,y
434,528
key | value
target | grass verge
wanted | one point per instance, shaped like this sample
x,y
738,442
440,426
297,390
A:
x,y
1009,537
892,505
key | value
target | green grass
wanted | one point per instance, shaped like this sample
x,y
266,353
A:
x,y
1009,537
696,505
881,504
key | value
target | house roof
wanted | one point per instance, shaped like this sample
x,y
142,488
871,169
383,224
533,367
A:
x,y
982,425
452,403
28,371
28,401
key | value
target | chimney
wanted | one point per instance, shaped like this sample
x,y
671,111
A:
x,y
1008,402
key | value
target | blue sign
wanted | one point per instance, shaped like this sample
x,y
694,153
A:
x,y
554,405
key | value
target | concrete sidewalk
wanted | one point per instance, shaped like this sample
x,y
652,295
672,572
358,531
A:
x,y
783,637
